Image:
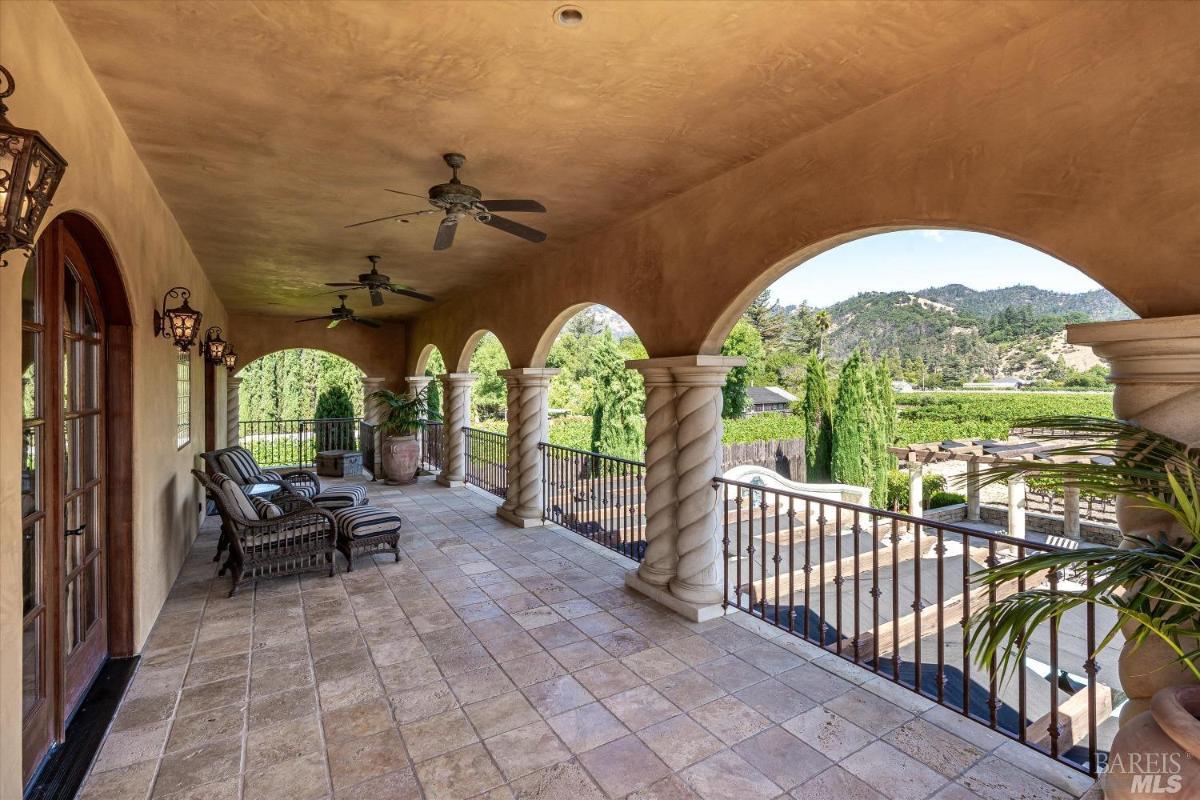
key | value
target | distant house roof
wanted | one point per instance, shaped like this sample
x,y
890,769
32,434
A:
x,y
902,386
766,395
1003,380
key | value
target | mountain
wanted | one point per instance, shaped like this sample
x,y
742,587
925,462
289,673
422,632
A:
x,y
959,334
1098,305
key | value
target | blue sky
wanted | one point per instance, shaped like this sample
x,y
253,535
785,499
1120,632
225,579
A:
x,y
911,260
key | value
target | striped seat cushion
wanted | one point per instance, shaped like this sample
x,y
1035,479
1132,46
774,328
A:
x,y
355,523
235,499
347,496
240,465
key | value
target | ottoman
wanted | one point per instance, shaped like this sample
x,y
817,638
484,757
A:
x,y
348,495
366,529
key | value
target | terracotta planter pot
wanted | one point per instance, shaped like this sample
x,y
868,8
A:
x,y
1157,753
401,458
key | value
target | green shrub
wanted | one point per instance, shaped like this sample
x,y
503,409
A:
x,y
335,404
897,491
941,499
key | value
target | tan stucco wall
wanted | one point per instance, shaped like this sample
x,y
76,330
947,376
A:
x,y
105,180
378,352
1077,137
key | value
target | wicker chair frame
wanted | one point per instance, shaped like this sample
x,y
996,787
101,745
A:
x,y
302,540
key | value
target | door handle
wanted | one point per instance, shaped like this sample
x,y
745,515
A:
x,y
75,531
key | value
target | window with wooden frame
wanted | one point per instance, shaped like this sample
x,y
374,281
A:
x,y
183,400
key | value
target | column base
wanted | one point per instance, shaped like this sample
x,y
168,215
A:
x,y
513,518
659,594
451,483
650,575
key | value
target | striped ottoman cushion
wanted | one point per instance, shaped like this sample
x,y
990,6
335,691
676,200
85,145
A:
x,y
349,496
355,523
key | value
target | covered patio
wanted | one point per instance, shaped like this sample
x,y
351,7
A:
x,y
499,662
211,171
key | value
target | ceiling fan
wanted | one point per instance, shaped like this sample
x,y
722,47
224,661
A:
x,y
376,282
459,201
341,313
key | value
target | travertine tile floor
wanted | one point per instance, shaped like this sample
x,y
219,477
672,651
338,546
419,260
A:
x,y
494,662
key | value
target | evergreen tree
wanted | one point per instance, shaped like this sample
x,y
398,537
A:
x,y
850,458
818,419
883,428
489,394
334,404
765,316
617,423
433,399
743,340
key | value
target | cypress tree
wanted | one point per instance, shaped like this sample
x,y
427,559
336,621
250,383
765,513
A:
x,y
882,415
617,414
818,419
851,455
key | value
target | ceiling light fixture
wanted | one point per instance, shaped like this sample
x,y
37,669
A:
x,y
568,16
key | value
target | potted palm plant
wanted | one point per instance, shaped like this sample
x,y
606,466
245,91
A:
x,y
1151,581
401,420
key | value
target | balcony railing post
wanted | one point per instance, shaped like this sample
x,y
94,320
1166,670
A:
x,y
531,386
662,423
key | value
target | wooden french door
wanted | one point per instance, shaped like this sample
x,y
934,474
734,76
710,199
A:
x,y
65,637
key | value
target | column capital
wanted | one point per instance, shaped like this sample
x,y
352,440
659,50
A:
x,y
1157,350
529,376
458,378
698,370
232,382
416,383
372,383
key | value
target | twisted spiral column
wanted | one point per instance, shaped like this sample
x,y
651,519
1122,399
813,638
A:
x,y
457,386
512,452
232,410
1155,364
373,413
528,388
417,384
659,562
697,461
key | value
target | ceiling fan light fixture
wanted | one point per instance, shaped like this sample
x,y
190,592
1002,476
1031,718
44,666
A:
x,y
568,16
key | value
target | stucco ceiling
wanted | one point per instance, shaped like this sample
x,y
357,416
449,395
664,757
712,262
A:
x,y
268,126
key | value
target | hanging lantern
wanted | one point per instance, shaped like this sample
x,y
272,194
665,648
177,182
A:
x,y
30,171
214,346
181,323
230,359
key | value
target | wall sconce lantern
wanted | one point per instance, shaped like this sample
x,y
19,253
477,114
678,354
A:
x,y
181,323
230,359
30,170
214,346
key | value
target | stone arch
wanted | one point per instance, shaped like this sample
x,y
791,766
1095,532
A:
x,y
245,362
724,323
554,328
423,358
464,358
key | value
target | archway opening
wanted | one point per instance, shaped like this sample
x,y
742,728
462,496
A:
x,y
485,357
432,365
596,403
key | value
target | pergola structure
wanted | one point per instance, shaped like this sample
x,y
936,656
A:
x,y
981,453
689,154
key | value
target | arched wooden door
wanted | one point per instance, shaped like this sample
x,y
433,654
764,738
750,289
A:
x,y
65,637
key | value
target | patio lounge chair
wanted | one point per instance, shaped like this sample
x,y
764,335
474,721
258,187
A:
x,y
278,540
239,464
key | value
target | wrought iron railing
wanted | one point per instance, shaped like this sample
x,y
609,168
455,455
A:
x,y
894,594
369,440
432,452
598,496
296,442
487,460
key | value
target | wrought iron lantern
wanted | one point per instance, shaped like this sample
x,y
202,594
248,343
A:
x,y
30,171
181,323
231,358
214,345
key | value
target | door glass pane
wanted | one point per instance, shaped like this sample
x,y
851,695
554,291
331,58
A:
x,y
71,616
68,375
29,292
31,567
90,581
31,664
70,300
76,518
87,453
89,373
31,484
31,341
88,326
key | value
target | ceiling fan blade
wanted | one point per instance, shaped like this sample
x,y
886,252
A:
x,y
345,285
394,216
445,234
314,319
334,323
515,228
409,194
410,293
370,323
513,205
376,297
